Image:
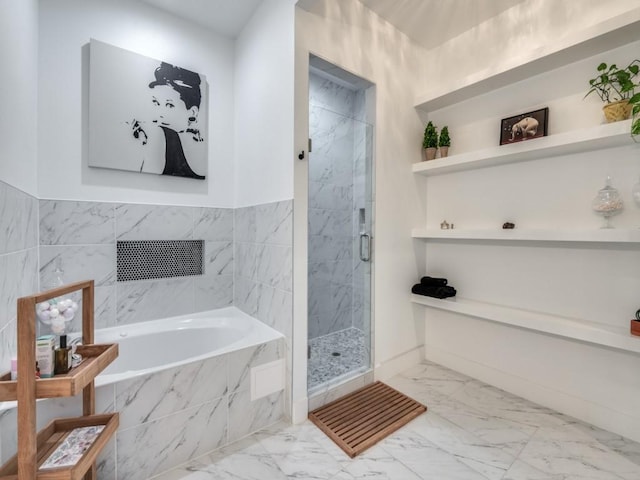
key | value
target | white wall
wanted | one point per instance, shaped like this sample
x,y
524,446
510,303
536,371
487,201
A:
x,y
520,34
66,26
595,283
19,93
264,105
352,37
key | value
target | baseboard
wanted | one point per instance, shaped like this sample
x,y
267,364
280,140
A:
x,y
300,410
398,364
580,408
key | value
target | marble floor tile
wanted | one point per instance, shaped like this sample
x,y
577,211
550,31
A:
x,y
572,453
425,459
496,402
298,454
471,431
492,461
244,460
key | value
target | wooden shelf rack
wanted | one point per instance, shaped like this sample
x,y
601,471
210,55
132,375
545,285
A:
x,y
34,448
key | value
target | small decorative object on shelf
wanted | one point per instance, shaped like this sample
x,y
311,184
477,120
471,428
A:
x,y
524,126
616,87
508,226
430,141
444,225
444,142
635,324
57,312
635,193
607,203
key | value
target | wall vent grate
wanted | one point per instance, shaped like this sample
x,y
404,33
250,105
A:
x,y
149,259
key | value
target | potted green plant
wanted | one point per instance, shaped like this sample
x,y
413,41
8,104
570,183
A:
x,y
444,142
430,141
616,87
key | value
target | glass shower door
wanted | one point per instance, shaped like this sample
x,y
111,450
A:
x,y
340,234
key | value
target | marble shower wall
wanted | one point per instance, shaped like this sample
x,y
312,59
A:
x,y
18,262
81,238
339,186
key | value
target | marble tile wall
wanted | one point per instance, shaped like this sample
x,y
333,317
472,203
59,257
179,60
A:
x,y
195,409
263,274
80,238
18,278
18,261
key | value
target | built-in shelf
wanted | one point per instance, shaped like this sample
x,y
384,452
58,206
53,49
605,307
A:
x,y
577,141
607,35
590,332
604,235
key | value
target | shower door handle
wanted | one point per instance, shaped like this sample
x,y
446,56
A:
x,y
367,240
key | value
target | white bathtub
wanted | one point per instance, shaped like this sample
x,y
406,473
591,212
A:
x,y
149,347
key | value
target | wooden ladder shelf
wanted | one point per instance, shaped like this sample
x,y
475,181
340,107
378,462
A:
x,y
34,448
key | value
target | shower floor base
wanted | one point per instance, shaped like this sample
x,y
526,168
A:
x,y
335,355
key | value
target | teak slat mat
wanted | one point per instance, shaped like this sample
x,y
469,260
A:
x,y
363,418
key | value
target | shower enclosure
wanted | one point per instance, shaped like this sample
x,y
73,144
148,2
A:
x,y
340,224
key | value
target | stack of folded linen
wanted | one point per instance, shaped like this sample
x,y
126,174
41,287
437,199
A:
x,y
434,287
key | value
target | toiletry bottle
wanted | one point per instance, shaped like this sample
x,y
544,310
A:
x,y
14,368
63,357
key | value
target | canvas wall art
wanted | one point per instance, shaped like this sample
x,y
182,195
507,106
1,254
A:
x,y
146,115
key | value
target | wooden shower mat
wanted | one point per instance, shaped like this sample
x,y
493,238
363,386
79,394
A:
x,y
363,418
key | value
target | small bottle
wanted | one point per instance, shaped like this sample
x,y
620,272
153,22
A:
x,y
14,368
63,357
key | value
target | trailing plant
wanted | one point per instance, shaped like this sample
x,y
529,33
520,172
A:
x,y
430,139
634,101
444,140
614,84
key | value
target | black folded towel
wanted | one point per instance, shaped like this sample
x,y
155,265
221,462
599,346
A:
x,y
436,292
433,282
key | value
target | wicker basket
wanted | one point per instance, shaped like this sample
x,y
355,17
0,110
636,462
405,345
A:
x,y
617,111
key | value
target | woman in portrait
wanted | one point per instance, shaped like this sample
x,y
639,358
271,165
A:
x,y
175,99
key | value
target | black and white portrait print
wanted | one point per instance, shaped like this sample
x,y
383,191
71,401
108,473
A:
x,y
146,115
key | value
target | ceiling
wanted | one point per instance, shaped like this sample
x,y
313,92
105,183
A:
x,y
433,22
226,17
427,22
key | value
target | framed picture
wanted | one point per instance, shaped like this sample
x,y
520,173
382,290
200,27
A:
x,y
524,126
146,115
